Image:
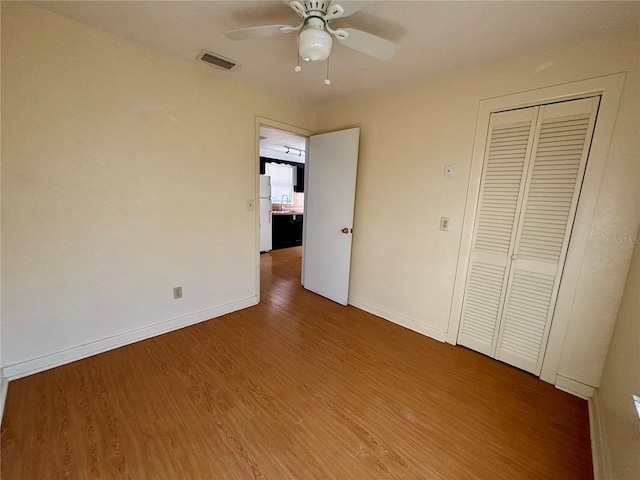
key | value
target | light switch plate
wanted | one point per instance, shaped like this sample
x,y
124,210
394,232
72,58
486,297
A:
x,y
250,205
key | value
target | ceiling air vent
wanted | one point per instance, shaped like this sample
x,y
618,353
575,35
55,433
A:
x,y
216,60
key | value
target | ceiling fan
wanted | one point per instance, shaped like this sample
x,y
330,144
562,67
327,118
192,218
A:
x,y
314,39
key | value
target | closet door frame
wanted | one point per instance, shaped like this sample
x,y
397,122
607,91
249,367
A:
x,y
610,89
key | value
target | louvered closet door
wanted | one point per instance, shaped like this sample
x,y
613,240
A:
x,y
508,149
559,158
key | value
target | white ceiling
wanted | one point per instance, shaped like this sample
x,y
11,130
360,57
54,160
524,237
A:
x,y
436,38
276,143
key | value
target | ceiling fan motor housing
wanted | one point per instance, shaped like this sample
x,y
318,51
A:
x,y
317,6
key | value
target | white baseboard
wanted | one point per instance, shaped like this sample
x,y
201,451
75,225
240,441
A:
x,y
4,385
399,319
573,387
56,359
595,431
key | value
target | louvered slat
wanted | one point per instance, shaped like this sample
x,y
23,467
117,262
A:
x,y
501,186
526,314
482,301
555,169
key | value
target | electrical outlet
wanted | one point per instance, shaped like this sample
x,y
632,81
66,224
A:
x,y
448,170
249,205
177,293
444,224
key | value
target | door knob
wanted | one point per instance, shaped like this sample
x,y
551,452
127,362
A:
x,y
514,257
345,230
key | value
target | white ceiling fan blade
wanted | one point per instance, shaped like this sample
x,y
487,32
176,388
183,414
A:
x,y
369,44
351,6
257,32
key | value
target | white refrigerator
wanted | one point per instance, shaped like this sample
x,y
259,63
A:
x,y
265,214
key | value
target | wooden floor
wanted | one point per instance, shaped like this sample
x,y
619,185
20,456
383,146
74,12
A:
x,y
297,387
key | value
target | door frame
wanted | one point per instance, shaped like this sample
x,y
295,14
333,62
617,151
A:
x,y
268,122
610,89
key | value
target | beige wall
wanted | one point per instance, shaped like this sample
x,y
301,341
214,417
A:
x,y
124,173
619,423
403,267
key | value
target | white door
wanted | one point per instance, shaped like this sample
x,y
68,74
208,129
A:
x,y
506,161
535,162
557,166
332,162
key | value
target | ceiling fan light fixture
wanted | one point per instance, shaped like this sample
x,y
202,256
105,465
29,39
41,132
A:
x,y
315,45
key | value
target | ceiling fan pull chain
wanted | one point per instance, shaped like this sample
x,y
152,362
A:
x,y
327,82
298,68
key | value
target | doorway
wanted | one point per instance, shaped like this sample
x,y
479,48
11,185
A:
x,y
328,228
281,180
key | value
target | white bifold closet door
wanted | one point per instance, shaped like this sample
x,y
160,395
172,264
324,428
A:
x,y
533,169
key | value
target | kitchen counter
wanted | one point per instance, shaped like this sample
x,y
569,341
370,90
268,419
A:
x,y
287,212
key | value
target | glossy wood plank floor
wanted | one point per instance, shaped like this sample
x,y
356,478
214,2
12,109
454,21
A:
x,y
297,387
